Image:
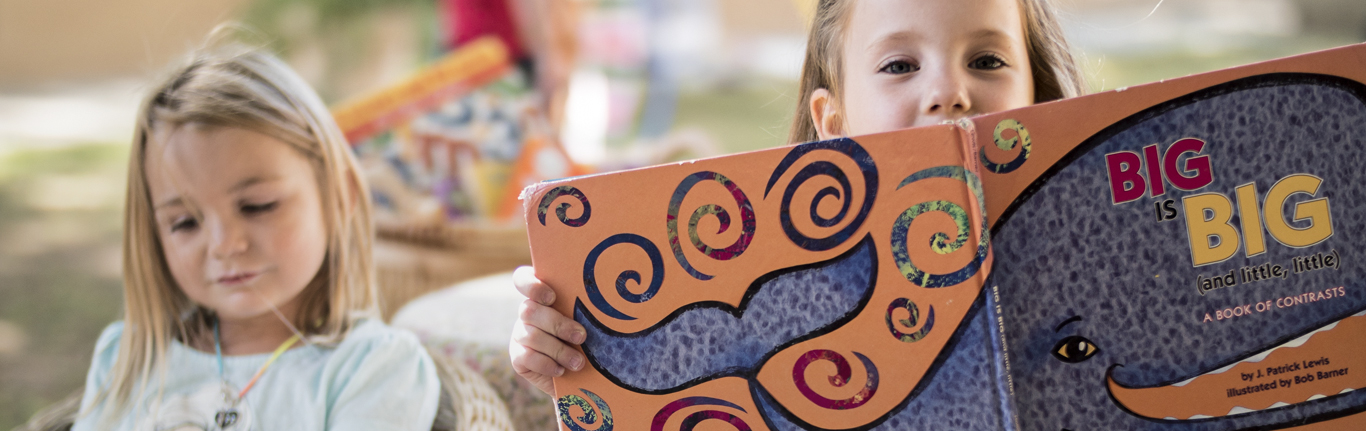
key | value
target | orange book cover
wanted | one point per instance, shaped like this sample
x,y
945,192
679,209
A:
x,y
1174,256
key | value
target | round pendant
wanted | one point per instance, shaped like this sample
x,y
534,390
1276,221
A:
x,y
233,415
209,408
227,418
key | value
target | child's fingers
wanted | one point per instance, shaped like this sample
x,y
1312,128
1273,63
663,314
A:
x,y
538,351
535,367
551,322
524,278
530,333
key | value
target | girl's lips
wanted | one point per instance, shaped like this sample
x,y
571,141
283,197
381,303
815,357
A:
x,y
237,279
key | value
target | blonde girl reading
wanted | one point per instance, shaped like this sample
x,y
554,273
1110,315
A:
x,y
248,285
871,66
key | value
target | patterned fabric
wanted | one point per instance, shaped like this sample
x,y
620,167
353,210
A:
x,y
531,409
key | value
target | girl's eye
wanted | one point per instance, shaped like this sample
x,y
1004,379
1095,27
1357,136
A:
x,y
184,223
258,208
987,62
1074,349
899,67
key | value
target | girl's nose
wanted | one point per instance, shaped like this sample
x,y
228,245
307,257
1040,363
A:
x,y
228,239
946,96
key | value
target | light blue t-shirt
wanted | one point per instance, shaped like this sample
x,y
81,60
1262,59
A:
x,y
377,378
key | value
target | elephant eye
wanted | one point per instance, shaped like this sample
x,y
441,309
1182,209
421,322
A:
x,y
1075,349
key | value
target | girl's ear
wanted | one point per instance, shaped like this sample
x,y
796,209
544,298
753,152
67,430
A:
x,y
825,115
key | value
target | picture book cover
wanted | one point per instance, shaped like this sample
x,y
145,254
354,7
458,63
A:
x,y
1180,255
803,287
1187,255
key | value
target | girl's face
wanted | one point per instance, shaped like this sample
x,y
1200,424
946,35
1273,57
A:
x,y
239,218
912,63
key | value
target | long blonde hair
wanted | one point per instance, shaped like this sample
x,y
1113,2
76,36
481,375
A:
x,y
1054,69
237,86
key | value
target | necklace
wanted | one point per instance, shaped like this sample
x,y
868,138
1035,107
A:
x,y
233,408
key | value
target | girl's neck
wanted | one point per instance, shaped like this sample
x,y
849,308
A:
x,y
261,334
253,335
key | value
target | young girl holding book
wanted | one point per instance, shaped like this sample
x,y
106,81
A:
x,y
249,296
871,66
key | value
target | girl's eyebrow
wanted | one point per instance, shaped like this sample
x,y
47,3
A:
x,y
173,201
988,33
177,200
893,37
251,181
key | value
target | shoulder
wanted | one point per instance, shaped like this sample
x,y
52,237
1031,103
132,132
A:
x,y
97,378
372,345
381,378
110,336
374,337
107,347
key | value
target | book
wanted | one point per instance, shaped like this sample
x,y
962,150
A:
x,y
1181,255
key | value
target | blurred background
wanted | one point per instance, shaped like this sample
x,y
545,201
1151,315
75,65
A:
x,y
606,84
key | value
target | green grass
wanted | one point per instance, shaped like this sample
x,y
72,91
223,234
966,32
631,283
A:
x,y
59,282
746,118
1108,72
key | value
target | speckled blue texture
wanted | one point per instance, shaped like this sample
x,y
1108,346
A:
x,y
705,341
1068,251
960,394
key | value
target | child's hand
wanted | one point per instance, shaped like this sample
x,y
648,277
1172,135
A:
x,y
538,346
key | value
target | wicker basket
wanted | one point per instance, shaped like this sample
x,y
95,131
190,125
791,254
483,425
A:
x,y
413,260
468,402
